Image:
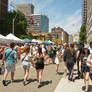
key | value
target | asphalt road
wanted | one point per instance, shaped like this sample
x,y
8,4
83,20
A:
x,y
50,80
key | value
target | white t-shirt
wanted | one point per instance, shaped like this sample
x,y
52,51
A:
x,y
34,51
89,58
43,50
27,57
90,49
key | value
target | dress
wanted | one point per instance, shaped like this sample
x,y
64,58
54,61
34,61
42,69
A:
x,y
85,68
39,63
57,61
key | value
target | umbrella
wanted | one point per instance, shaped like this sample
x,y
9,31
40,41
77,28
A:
x,y
46,42
27,40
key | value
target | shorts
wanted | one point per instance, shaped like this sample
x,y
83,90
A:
x,y
51,55
25,64
57,61
39,66
10,67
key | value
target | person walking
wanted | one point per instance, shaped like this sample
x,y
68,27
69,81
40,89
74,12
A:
x,y
26,59
70,58
39,57
63,51
79,55
85,69
57,60
10,56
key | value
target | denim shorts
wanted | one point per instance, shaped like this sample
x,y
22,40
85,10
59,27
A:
x,y
25,64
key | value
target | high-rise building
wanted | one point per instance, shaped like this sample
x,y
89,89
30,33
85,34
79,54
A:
x,y
84,11
3,11
89,20
27,9
3,8
40,23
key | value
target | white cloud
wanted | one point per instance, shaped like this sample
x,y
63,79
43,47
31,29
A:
x,y
71,24
40,5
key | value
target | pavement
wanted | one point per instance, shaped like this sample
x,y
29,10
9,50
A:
x,y
51,82
77,86
49,79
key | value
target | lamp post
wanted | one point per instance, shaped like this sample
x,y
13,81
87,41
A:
x,y
13,21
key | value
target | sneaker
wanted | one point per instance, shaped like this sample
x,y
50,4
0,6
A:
x,y
4,83
39,86
24,83
57,74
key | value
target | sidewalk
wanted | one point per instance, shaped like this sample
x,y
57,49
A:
x,y
76,86
65,86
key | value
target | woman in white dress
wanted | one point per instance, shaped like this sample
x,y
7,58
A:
x,y
57,60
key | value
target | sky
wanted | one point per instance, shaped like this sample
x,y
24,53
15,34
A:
x,y
61,13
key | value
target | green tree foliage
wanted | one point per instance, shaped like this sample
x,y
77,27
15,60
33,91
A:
x,y
29,36
19,24
82,34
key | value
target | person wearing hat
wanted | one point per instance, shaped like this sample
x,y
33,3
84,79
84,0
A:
x,y
84,68
26,59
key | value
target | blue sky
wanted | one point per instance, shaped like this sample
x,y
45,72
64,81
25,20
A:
x,y
63,13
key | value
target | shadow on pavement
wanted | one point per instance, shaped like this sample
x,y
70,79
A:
x,y
89,90
18,80
44,83
60,73
28,81
31,80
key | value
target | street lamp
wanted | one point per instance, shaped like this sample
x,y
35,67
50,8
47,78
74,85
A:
x,y
13,23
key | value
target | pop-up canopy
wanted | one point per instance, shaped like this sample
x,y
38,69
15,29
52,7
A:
x,y
12,37
2,37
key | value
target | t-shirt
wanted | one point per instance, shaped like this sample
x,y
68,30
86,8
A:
x,y
10,58
43,50
90,49
27,57
89,58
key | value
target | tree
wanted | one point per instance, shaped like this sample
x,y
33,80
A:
x,y
19,24
82,34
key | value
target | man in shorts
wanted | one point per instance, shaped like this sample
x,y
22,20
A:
x,y
10,56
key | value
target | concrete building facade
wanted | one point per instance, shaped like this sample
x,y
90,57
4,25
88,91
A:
x,y
3,11
89,21
27,9
70,39
84,11
40,23
3,8
59,33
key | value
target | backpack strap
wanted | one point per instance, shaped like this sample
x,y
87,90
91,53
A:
x,y
8,55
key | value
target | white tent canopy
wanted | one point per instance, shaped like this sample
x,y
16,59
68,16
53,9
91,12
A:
x,y
2,37
34,40
12,37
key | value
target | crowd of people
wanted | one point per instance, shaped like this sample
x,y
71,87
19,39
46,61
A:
x,y
31,55
40,54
